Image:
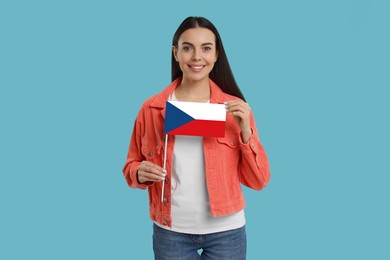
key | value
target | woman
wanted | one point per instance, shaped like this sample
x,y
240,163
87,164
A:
x,y
202,206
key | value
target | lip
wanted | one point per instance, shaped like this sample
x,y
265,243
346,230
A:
x,y
196,67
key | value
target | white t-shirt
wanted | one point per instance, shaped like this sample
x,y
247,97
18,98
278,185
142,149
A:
x,y
190,206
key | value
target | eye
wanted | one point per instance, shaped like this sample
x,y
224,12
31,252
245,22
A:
x,y
207,48
187,48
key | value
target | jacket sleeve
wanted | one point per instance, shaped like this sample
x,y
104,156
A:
x,y
254,170
135,156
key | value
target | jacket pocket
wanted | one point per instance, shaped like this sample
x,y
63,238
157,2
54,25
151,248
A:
x,y
150,152
229,149
230,141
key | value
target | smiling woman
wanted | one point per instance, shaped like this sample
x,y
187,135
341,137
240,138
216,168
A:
x,y
196,54
199,177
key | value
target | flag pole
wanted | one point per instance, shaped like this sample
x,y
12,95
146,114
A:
x,y
165,166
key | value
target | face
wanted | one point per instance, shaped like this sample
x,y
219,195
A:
x,y
196,53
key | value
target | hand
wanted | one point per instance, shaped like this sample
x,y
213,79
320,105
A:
x,y
148,171
241,113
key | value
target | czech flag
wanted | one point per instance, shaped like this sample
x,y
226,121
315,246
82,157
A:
x,y
196,119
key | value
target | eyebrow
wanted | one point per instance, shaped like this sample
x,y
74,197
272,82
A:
x,y
203,44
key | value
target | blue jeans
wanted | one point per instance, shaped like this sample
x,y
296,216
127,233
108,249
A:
x,y
227,245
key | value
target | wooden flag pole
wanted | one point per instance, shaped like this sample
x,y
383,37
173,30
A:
x,y
165,166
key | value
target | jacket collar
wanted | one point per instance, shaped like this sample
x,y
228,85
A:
x,y
217,95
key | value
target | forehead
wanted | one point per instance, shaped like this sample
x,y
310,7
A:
x,y
197,36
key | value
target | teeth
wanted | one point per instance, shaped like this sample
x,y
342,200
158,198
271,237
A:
x,y
197,67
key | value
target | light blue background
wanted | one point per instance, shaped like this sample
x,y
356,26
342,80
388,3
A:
x,y
73,75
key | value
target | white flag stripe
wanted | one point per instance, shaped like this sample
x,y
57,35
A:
x,y
202,111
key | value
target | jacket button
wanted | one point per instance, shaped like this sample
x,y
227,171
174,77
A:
x,y
166,180
150,154
165,200
165,222
232,142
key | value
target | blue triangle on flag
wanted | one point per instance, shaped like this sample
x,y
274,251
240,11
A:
x,y
174,117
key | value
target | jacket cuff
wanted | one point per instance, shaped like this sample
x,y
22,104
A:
x,y
250,146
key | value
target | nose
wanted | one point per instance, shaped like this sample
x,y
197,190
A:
x,y
195,55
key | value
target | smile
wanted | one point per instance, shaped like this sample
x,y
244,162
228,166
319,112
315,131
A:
x,y
196,68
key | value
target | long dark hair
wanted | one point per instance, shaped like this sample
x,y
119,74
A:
x,y
221,74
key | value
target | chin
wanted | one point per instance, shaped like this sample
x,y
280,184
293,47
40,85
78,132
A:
x,y
197,77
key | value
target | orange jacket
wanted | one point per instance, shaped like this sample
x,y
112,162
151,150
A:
x,y
228,161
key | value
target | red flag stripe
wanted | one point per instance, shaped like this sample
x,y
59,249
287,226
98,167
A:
x,y
201,128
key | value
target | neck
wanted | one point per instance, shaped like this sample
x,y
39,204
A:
x,y
193,91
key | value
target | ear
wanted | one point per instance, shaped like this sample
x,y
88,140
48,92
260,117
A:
x,y
174,51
